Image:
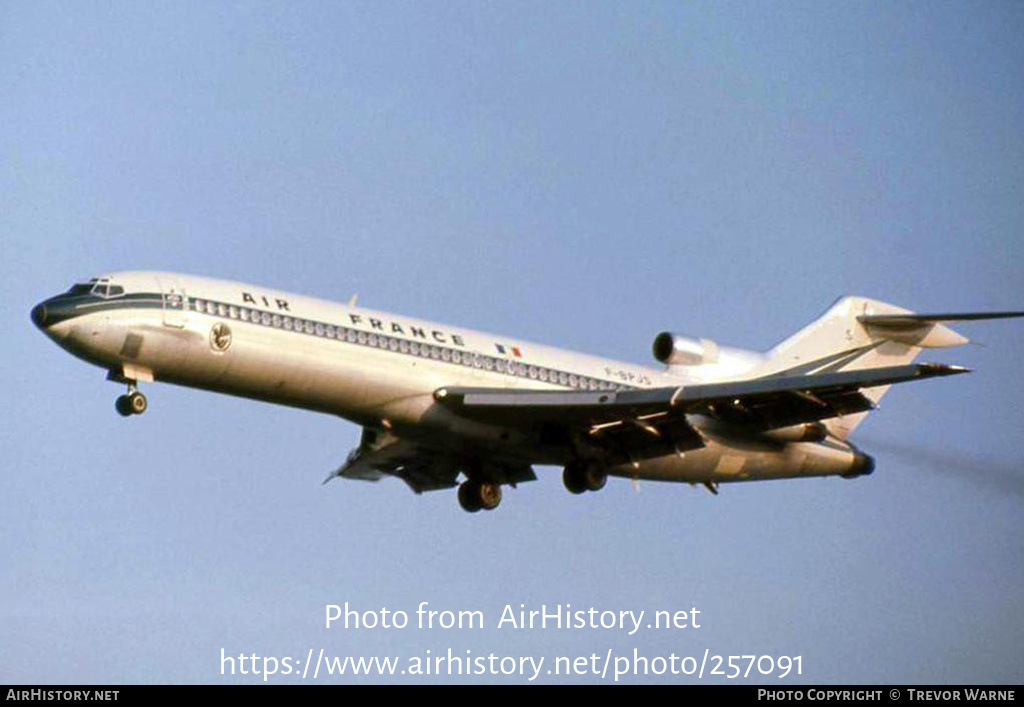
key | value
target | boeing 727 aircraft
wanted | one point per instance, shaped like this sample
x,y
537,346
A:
x,y
438,403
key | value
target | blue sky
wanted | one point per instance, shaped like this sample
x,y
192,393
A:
x,y
581,174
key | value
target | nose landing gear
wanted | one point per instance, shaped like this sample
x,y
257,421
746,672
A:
x,y
133,403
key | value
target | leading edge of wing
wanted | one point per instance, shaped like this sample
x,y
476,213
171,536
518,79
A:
x,y
596,406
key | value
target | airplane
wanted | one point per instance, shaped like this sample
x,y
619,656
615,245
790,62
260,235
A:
x,y
444,407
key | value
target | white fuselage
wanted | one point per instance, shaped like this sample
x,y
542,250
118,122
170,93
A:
x,y
373,368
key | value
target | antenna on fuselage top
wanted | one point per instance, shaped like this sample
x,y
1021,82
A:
x,y
352,300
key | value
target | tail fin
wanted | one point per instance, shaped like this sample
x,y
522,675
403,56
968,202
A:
x,y
857,333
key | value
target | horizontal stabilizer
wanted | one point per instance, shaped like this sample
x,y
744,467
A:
x,y
908,319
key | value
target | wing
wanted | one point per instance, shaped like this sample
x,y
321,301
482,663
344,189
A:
x,y
648,421
423,468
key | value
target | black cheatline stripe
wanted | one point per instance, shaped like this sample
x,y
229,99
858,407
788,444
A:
x,y
61,308
502,366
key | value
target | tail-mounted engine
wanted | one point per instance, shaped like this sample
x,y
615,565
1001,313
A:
x,y
678,350
706,358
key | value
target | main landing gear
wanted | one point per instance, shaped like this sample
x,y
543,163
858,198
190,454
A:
x,y
133,403
580,476
475,496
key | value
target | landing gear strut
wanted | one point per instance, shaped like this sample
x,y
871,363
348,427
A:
x,y
579,477
133,403
475,496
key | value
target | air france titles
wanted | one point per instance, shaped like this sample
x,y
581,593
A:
x,y
396,328
282,304
364,322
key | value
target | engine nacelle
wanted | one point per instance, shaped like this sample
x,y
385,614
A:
x,y
807,432
678,350
703,358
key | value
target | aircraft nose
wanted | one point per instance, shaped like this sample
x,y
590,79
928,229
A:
x,y
39,315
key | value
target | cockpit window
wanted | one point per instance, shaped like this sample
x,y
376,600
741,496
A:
x,y
98,287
